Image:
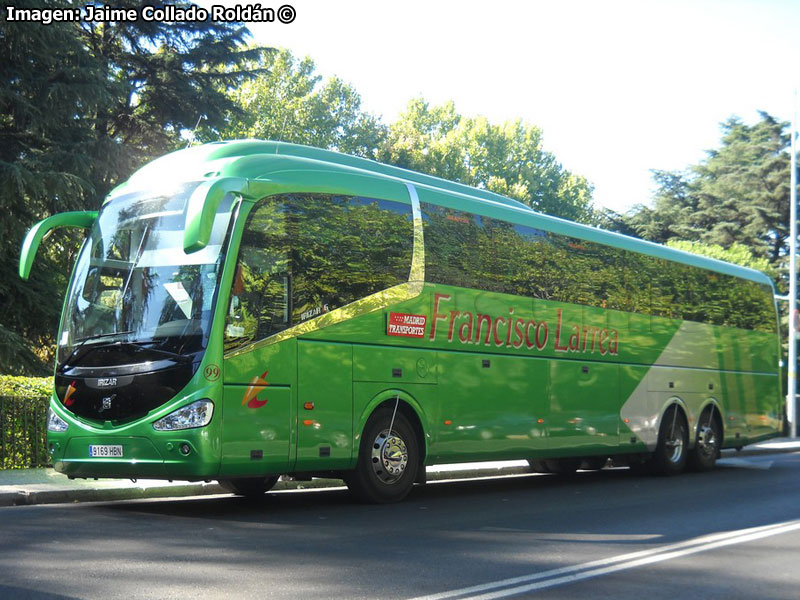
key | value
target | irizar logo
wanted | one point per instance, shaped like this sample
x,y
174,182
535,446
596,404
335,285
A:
x,y
107,382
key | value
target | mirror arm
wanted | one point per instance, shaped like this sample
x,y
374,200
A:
x,y
81,219
202,208
204,203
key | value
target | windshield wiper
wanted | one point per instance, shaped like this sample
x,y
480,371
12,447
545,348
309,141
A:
x,y
138,346
135,262
91,337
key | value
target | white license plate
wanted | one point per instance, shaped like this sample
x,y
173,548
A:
x,y
106,451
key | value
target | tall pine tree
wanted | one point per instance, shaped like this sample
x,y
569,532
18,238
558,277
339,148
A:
x,y
162,79
738,195
48,85
83,105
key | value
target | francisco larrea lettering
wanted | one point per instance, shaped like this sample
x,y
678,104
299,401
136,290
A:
x,y
513,332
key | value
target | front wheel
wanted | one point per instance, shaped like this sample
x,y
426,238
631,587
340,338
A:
x,y
538,466
594,463
250,487
388,460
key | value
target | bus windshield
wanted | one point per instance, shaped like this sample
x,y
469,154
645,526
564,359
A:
x,y
135,290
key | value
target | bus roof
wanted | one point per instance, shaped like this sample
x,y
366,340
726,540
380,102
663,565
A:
x,y
256,159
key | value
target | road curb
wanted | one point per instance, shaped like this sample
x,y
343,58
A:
x,y
22,497
733,453
16,496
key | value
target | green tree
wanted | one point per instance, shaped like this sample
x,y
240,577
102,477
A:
x,y
48,83
508,159
83,105
161,79
742,189
671,215
738,195
288,101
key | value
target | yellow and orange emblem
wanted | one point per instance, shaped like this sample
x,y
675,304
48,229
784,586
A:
x,y
257,385
68,399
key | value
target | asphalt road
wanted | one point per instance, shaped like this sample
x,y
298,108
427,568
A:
x,y
732,533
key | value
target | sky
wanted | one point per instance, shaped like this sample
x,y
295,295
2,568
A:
x,y
618,87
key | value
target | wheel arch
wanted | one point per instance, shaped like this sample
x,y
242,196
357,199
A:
x,y
719,417
407,404
683,411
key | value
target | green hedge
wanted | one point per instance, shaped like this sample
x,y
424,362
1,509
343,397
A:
x,y
25,387
23,431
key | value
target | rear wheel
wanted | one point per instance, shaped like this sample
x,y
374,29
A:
x,y
251,487
388,460
560,466
709,441
563,466
670,454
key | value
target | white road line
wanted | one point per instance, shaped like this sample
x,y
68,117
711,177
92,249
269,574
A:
x,y
613,564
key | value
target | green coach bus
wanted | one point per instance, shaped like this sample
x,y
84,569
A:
x,y
249,309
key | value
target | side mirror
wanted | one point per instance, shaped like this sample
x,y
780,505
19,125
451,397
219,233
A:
x,y
82,219
202,208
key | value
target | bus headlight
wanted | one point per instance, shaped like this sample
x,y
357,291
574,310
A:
x,y
55,423
196,414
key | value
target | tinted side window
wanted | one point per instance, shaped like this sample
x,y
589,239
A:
x,y
345,248
668,291
765,308
452,246
472,251
750,306
302,255
593,273
259,304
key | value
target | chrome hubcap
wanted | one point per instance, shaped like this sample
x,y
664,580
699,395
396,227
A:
x,y
389,457
707,440
674,444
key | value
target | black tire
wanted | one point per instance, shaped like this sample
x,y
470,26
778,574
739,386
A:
x,y
538,466
706,450
563,466
594,463
250,487
387,461
671,450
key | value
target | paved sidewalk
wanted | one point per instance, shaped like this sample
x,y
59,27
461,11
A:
x,y
45,486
